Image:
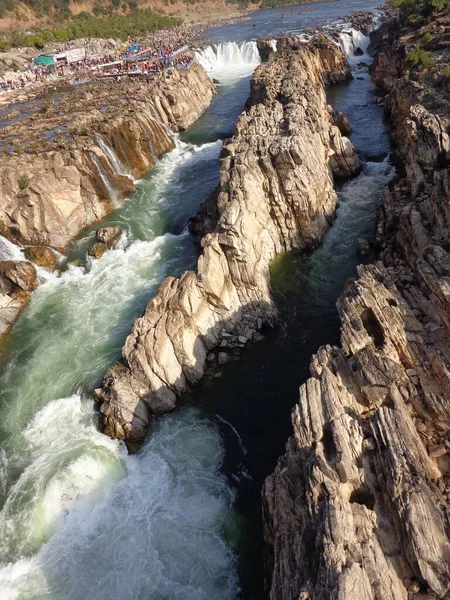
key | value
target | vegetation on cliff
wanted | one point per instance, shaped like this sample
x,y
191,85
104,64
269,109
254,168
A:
x,y
413,11
137,22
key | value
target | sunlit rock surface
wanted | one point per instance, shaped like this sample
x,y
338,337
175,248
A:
x,y
276,193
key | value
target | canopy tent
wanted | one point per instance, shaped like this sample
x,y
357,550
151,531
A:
x,y
44,60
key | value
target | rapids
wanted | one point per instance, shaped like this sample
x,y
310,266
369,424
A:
x,y
80,518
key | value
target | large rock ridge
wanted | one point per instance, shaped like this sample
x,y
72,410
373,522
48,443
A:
x,y
358,507
276,193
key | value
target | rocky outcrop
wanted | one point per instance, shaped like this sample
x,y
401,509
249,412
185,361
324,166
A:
x,y
265,48
71,165
105,238
276,193
17,280
41,256
358,507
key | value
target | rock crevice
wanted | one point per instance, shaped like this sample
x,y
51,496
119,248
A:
x,y
358,507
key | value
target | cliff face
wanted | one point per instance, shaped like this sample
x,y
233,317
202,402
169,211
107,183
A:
x,y
78,157
358,507
276,193
75,157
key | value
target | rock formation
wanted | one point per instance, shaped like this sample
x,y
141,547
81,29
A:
x,y
358,507
276,193
66,165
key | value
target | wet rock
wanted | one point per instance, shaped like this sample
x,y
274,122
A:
x,y
358,52
97,250
362,246
109,235
223,358
21,274
41,256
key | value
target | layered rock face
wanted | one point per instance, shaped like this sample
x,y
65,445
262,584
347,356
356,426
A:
x,y
75,159
276,193
358,507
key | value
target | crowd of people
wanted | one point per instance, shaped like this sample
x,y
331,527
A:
x,y
159,55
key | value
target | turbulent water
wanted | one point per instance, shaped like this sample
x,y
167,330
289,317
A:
x,y
229,60
79,517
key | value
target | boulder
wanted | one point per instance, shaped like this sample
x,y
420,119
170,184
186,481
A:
x,y
109,235
21,274
43,256
342,122
265,49
97,250
362,246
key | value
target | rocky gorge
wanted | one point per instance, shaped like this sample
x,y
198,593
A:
x,y
276,193
225,310
359,504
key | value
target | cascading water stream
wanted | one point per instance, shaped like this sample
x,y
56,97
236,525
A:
x,y
230,60
10,251
115,162
109,187
351,41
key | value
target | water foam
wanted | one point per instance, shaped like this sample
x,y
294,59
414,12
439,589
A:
x,y
229,60
160,531
80,518
351,40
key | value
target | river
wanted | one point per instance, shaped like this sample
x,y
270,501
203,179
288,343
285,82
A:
x,y
80,518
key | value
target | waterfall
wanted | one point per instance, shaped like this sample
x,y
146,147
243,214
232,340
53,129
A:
x,y
9,251
352,39
112,192
273,43
229,60
116,164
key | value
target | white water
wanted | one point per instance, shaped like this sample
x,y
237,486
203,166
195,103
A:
x,y
81,519
115,162
111,190
351,39
13,252
10,251
230,60
155,533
